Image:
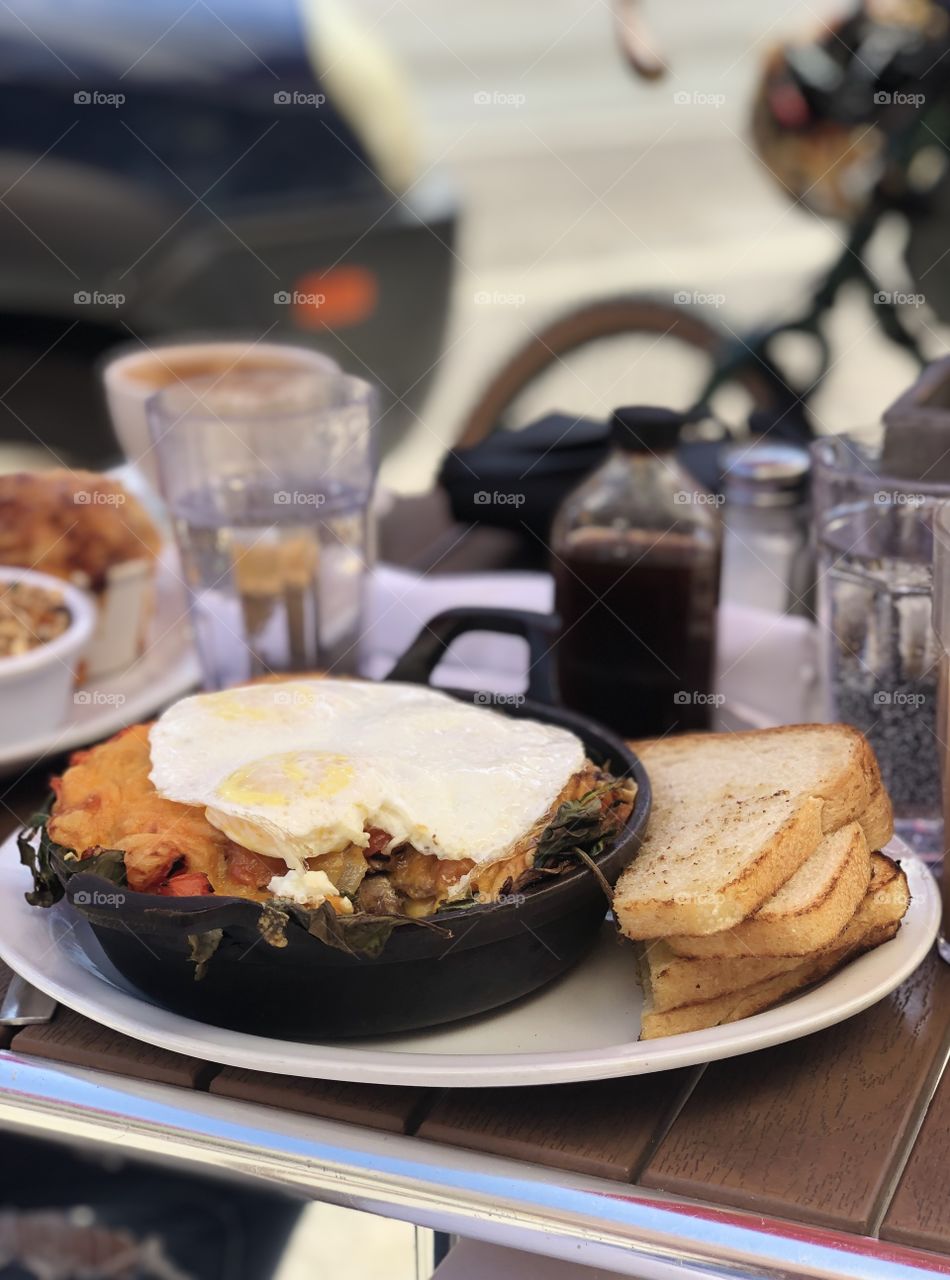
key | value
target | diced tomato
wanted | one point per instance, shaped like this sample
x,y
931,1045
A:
x,y
185,884
378,840
247,867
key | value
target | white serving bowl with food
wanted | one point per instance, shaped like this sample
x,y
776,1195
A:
x,y
88,530
41,651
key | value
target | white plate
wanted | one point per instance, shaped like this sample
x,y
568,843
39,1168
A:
x,y
167,669
583,1027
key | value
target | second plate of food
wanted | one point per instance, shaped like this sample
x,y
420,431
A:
x,y
167,668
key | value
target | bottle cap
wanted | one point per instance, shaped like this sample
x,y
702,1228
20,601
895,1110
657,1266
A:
x,y
646,428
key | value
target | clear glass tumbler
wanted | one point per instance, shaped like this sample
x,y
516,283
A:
x,y
880,654
941,622
268,477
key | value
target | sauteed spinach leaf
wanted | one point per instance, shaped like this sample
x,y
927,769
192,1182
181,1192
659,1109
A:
x,y
47,888
580,826
358,935
51,864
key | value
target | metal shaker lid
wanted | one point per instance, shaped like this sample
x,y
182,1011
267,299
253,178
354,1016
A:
x,y
764,474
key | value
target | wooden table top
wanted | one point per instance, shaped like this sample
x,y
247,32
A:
x,y
843,1129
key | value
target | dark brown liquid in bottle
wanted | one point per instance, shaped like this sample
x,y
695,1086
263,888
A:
x,y
638,629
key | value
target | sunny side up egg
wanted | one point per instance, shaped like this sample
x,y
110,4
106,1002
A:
x,y
301,768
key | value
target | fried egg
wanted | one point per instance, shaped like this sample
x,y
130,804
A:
x,y
302,768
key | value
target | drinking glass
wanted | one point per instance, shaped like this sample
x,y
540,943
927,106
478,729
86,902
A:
x,y
880,654
268,477
941,622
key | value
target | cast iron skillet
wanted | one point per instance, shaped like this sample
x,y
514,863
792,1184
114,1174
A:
x,y
480,958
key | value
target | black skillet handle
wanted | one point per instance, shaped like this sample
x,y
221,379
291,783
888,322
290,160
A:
x,y
539,629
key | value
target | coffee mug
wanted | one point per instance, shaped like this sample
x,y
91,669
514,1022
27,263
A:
x,y
132,376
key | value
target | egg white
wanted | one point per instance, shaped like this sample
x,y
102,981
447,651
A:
x,y
302,768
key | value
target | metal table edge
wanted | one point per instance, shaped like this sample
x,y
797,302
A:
x,y
605,1224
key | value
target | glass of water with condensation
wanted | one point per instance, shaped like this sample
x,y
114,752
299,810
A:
x,y
268,477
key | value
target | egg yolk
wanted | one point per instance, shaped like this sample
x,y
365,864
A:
x,y
277,779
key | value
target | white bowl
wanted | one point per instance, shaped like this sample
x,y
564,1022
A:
x,y
124,609
36,688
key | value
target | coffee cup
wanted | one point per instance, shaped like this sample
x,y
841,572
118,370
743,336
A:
x,y
132,376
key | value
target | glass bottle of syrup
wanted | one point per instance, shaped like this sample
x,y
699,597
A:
x,y
635,557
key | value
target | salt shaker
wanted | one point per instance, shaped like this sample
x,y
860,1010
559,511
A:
x,y
765,557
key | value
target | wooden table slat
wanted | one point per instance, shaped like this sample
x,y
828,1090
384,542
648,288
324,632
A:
x,y
392,1109
814,1129
606,1129
919,1213
80,1042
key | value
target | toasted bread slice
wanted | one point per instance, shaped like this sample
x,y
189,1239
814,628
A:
x,y
876,921
679,980
877,820
758,997
807,913
686,980
885,902
734,816
883,871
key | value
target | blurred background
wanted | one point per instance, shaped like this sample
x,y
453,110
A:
x,y
418,189
590,182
